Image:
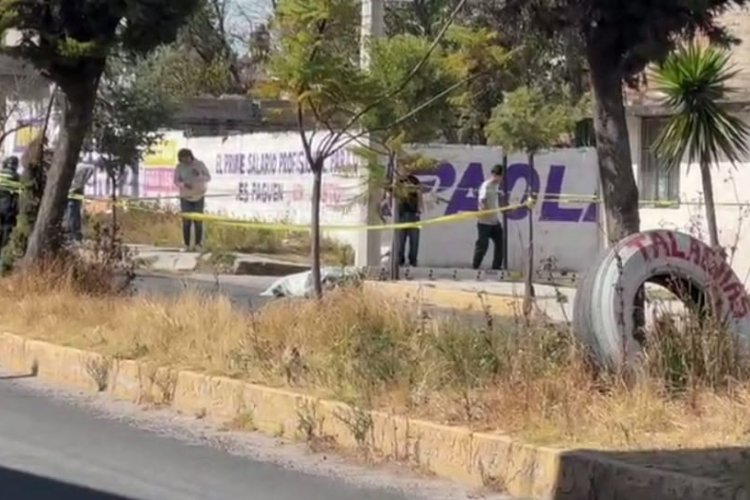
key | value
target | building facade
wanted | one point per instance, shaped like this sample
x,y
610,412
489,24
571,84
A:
x,y
673,198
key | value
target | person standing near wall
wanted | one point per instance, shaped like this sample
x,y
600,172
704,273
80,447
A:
x,y
410,207
9,188
488,225
191,177
74,216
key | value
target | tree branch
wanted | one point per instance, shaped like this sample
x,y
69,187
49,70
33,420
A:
x,y
6,133
388,95
408,115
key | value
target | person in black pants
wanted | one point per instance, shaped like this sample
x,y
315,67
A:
x,y
9,188
191,177
489,227
409,197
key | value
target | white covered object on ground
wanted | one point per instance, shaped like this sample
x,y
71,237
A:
x,y
300,284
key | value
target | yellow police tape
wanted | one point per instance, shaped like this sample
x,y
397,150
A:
x,y
561,198
445,219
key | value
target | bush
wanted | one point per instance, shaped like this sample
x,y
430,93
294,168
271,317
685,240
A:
x,y
362,347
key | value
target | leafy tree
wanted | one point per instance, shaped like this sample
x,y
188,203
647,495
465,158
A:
x,y
69,42
421,18
209,37
317,67
220,50
694,80
405,114
416,114
181,73
619,39
527,121
35,161
127,118
475,54
551,62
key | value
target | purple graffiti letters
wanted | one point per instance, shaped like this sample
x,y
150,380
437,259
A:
x,y
462,192
464,198
515,173
551,209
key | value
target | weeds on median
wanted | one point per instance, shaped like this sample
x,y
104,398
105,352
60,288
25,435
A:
x,y
160,226
372,351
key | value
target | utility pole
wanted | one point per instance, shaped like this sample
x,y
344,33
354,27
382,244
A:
x,y
368,251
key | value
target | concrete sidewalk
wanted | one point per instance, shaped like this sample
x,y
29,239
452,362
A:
x,y
554,303
174,260
460,290
465,293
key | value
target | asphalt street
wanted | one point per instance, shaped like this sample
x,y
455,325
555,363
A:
x,y
243,291
50,449
57,448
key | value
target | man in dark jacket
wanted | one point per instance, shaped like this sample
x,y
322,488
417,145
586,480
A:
x,y
9,187
410,206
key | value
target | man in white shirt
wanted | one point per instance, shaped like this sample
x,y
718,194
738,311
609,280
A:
x,y
488,225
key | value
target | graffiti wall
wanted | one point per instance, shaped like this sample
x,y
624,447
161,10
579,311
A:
x,y
265,177
567,234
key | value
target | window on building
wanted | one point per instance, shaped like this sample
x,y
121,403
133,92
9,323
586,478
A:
x,y
657,182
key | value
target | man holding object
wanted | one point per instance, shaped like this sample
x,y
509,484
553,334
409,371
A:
x,y
191,177
488,226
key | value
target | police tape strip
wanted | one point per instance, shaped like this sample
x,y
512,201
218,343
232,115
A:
x,y
446,219
557,197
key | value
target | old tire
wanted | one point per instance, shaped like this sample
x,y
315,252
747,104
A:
x,y
603,316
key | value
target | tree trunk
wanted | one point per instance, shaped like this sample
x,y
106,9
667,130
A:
x,y
315,228
528,296
395,242
33,180
113,197
619,189
708,195
78,106
613,145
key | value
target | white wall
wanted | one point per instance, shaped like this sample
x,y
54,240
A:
x,y
262,177
567,233
265,177
731,195
29,112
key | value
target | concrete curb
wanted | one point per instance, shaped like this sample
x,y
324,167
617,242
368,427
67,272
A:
x,y
500,305
476,459
241,265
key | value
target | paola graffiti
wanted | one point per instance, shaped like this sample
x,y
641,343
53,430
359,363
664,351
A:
x,y
458,189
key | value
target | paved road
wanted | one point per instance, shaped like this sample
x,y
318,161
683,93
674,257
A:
x,y
50,449
241,290
244,291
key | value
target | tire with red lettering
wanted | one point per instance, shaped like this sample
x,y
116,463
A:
x,y
604,307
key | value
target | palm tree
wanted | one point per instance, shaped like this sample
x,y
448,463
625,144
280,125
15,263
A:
x,y
694,80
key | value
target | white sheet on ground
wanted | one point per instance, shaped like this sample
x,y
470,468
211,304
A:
x,y
300,284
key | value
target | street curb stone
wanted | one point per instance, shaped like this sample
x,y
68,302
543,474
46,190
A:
x,y
473,458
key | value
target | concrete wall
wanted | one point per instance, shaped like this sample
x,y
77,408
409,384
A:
x,y
265,177
731,195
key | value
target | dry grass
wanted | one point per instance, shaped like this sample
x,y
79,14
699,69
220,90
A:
x,y
161,227
367,349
